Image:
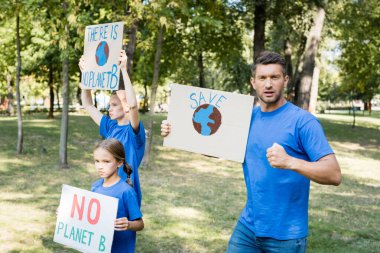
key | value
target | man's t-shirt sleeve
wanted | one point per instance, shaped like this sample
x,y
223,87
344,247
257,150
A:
x,y
313,140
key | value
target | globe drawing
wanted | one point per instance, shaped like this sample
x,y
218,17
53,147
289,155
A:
x,y
207,119
102,52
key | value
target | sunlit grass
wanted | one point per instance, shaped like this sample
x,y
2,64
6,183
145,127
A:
x,y
190,202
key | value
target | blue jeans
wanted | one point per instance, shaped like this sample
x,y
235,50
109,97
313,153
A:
x,y
243,240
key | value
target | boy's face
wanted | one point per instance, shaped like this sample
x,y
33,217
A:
x,y
115,109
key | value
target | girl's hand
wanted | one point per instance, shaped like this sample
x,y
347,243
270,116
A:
x,y
121,224
123,60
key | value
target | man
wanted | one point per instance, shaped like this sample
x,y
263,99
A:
x,y
286,148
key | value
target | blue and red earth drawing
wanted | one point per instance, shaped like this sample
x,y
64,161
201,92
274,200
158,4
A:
x,y
207,119
102,52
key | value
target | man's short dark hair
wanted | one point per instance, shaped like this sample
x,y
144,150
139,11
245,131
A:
x,y
266,58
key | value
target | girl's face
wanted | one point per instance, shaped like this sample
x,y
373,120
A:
x,y
116,110
105,163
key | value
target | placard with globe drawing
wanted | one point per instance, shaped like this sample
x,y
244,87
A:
x,y
209,122
102,44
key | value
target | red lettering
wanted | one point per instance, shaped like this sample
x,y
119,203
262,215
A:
x,y
76,206
96,219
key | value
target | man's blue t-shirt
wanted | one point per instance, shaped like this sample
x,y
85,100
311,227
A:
x,y
277,199
134,146
123,241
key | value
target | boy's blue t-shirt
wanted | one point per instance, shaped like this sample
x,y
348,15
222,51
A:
x,y
123,241
277,199
134,146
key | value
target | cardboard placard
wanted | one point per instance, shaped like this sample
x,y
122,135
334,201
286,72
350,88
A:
x,y
85,220
102,45
209,122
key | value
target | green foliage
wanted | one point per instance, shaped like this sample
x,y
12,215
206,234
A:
x,y
191,30
218,31
359,44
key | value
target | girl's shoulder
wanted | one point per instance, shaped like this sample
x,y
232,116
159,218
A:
x,y
97,184
127,190
125,186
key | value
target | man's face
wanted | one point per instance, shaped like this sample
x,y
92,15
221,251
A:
x,y
269,83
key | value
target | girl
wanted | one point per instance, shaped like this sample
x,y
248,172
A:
x,y
109,155
122,123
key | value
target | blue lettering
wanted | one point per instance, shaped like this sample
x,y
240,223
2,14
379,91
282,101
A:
x,y
113,81
114,32
201,97
89,239
93,31
92,79
79,235
100,80
211,99
103,32
84,78
219,100
196,102
72,234
64,233
102,247
83,237
60,227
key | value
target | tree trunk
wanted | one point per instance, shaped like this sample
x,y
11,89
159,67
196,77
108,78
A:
x,y
51,91
10,108
259,28
20,133
259,32
303,98
78,95
314,89
145,103
365,105
353,112
202,82
96,100
299,65
57,94
65,97
369,107
289,69
156,72
131,47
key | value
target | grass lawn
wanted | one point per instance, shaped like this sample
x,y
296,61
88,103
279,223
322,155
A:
x,y
190,202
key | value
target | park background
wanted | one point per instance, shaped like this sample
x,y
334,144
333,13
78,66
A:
x,y
190,202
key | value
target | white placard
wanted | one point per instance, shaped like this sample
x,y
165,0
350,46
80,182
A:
x,y
209,122
85,220
102,44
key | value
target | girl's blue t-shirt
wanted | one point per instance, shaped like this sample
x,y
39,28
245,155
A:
x,y
123,241
277,199
134,146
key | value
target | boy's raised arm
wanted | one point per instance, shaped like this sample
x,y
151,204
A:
x,y
128,99
86,97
